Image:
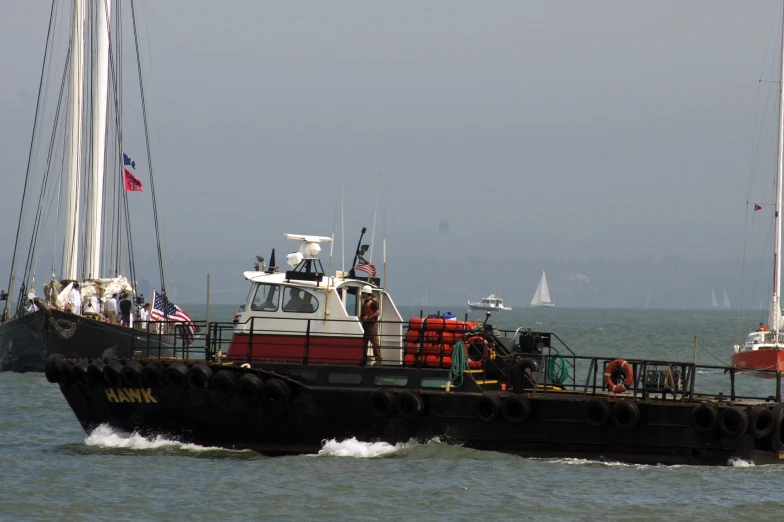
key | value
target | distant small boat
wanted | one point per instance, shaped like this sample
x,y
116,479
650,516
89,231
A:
x,y
542,295
726,304
714,304
491,302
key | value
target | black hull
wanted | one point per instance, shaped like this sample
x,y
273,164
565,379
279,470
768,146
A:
x,y
299,418
27,341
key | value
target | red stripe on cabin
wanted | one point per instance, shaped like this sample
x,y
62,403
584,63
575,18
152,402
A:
x,y
297,348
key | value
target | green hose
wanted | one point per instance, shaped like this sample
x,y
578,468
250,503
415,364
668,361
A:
x,y
459,364
558,369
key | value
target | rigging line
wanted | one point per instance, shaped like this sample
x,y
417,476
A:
x,y
115,67
723,363
375,212
29,161
147,142
342,226
32,253
755,143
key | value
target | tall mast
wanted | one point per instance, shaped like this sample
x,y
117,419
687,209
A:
x,y
93,234
774,314
71,246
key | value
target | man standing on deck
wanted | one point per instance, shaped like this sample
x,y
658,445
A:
x,y
125,310
370,314
111,309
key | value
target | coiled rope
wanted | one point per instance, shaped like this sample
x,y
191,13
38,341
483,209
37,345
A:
x,y
558,370
459,364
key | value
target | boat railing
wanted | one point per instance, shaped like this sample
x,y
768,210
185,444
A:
x,y
651,379
544,365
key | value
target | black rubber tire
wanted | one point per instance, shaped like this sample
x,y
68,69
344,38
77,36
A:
x,y
95,373
704,418
408,404
515,409
154,375
66,376
597,413
53,368
132,374
488,406
625,414
733,422
249,388
112,373
79,371
382,403
199,376
224,383
177,374
275,391
776,437
761,422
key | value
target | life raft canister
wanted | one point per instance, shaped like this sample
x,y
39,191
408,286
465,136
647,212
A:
x,y
614,372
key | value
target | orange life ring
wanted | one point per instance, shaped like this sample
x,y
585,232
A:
x,y
612,370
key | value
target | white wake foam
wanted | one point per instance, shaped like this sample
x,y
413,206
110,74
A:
x,y
740,463
107,437
361,450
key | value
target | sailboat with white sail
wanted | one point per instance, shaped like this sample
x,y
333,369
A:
x,y
542,295
764,348
714,303
77,199
725,304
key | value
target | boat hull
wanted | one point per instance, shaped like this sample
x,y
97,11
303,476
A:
x,y
293,417
763,359
27,341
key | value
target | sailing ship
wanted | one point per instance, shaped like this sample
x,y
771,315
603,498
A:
x,y
714,303
491,302
82,209
542,295
764,348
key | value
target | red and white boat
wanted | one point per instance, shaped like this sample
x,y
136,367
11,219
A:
x,y
764,350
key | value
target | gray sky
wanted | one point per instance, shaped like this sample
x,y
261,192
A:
x,y
565,129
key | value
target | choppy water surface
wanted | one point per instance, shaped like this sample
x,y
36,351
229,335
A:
x,y
50,469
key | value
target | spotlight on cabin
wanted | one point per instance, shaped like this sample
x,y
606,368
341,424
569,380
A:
x,y
294,259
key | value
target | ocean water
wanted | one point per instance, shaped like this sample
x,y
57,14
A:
x,y
51,470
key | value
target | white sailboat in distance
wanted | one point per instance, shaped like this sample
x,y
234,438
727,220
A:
x,y
542,295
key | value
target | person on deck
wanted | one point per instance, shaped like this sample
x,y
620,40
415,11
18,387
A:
x,y
111,309
297,303
762,328
125,310
144,316
370,318
76,299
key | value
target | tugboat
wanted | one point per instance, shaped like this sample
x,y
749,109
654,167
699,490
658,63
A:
x,y
296,371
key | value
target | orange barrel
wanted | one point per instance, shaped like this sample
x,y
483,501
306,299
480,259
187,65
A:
x,y
415,323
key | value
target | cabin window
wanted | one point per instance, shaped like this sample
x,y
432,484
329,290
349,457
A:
x,y
298,300
344,378
390,380
430,382
350,300
266,299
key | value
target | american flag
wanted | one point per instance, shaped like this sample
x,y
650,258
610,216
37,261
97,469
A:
x,y
366,267
174,313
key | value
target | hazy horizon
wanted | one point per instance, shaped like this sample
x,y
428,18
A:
x,y
563,131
